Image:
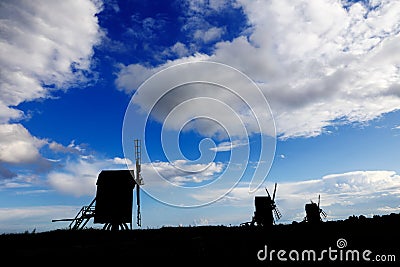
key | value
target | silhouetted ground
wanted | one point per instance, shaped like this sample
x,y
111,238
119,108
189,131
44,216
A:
x,y
212,245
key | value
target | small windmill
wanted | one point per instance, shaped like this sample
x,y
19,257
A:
x,y
314,212
277,213
266,213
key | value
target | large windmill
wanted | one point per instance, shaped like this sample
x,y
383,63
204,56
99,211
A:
x,y
113,203
266,213
314,212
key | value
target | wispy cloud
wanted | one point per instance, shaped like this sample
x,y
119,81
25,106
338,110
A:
x,y
180,172
36,218
227,146
342,195
71,148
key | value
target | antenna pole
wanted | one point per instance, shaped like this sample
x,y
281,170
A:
x,y
139,216
139,180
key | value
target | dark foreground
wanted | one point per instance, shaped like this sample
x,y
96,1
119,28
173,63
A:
x,y
351,242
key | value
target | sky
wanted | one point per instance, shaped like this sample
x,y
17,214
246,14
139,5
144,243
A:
x,y
228,97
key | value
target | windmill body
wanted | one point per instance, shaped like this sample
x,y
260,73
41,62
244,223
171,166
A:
x,y
266,211
314,212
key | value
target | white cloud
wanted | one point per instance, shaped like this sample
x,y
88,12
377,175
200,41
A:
x,y
209,35
121,161
78,177
204,7
71,148
228,146
388,209
38,218
177,97
130,77
42,49
179,49
342,195
17,145
42,45
20,151
201,222
318,63
179,172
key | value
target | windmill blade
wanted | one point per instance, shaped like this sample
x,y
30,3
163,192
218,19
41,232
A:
x,y
323,213
267,192
277,213
319,200
273,195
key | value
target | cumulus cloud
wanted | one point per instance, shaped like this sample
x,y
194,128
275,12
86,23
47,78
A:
x,y
42,46
17,145
209,35
179,49
77,177
130,77
42,49
318,63
179,172
342,195
177,97
345,194
19,149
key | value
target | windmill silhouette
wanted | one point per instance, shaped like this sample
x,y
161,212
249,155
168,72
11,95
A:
x,y
314,212
266,213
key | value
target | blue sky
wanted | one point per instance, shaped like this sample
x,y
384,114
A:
x,y
322,77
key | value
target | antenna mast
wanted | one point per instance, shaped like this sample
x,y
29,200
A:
x,y
139,179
